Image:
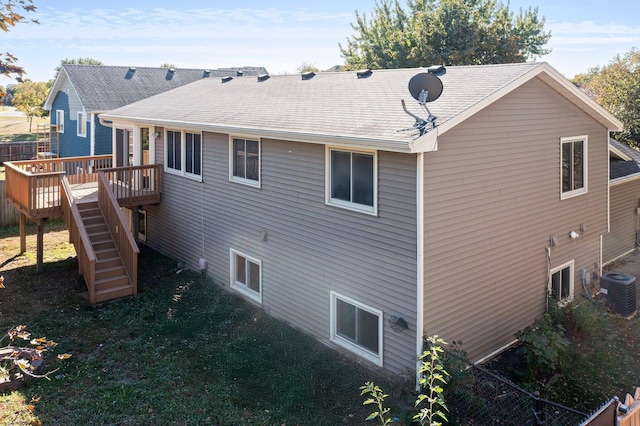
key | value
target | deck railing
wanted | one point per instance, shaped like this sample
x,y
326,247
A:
x,y
135,185
79,237
34,185
117,224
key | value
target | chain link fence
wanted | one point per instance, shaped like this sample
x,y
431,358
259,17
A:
x,y
476,396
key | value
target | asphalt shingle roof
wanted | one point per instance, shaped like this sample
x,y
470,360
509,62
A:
x,y
330,103
102,88
620,168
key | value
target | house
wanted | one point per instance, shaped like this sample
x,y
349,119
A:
x,y
625,202
80,92
320,199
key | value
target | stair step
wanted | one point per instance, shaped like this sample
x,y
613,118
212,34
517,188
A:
x,y
96,227
100,236
111,282
103,262
103,245
106,253
93,220
110,272
114,293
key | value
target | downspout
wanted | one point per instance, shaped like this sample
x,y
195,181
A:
x,y
419,262
92,136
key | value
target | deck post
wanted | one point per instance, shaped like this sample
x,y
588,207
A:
x,y
23,233
39,248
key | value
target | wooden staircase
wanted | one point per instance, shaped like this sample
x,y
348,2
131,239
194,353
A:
x,y
111,279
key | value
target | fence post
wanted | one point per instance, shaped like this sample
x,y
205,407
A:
x,y
538,413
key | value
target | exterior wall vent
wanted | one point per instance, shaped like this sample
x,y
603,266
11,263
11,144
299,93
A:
x,y
620,292
263,77
308,75
227,78
364,73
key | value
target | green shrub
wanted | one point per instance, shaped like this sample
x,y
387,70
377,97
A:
x,y
542,346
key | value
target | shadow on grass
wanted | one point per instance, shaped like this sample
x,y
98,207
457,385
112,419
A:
x,y
186,351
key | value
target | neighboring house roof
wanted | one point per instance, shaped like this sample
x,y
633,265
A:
x,y
103,88
340,108
624,161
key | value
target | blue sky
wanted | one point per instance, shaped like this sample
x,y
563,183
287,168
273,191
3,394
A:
x,y
279,36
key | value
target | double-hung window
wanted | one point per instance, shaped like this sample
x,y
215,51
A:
x,y
60,120
352,179
561,283
246,275
573,166
82,124
356,327
244,161
183,153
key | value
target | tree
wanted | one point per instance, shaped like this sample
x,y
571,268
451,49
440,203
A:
x,y
29,97
168,65
307,66
448,32
79,61
617,88
9,17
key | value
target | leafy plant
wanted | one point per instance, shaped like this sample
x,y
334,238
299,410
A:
x,y
377,398
433,377
542,346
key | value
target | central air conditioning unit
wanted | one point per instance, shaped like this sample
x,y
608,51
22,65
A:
x,y
620,292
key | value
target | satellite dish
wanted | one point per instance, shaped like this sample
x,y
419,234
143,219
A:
x,y
428,83
424,87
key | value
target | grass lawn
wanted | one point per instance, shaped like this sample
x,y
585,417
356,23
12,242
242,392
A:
x,y
182,352
16,128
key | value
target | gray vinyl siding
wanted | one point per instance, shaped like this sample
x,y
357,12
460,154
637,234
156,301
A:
x,y
492,200
624,201
310,248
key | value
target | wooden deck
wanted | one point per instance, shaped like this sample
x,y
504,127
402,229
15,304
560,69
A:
x,y
89,194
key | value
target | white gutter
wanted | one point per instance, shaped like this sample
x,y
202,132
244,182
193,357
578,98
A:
x,y
294,136
624,179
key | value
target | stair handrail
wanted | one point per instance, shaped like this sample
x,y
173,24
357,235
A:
x,y
122,237
79,237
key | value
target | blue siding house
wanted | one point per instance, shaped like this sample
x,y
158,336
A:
x,y
81,92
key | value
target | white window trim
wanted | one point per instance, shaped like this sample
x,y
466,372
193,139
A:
x,y
238,286
570,265
371,210
82,117
349,345
584,189
60,120
244,181
183,154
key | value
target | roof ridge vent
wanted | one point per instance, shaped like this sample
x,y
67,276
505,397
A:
x,y
132,69
226,78
435,69
364,73
172,70
239,73
308,75
263,77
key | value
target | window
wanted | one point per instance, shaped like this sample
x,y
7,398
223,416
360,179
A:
x,y
60,120
183,153
573,164
82,124
352,180
356,327
142,225
246,275
244,161
561,283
